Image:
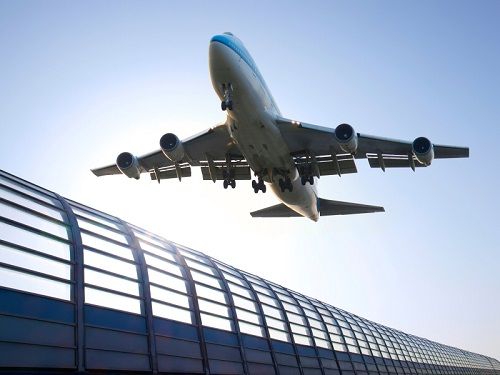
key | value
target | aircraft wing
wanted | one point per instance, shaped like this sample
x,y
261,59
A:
x,y
307,139
212,145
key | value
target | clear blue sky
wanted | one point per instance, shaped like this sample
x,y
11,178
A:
x,y
82,81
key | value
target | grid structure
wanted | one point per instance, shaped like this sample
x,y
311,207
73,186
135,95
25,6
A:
x,y
84,291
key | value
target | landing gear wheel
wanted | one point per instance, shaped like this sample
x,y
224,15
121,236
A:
x,y
254,185
226,184
311,180
230,105
303,180
223,106
233,184
281,183
263,188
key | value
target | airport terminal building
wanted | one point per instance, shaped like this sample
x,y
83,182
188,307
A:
x,y
82,292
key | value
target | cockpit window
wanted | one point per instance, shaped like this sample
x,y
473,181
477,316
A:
x,y
228,33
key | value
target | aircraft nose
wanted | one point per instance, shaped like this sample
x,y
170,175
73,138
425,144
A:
x,y
216,53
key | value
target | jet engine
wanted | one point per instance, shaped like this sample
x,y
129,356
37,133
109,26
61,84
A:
x,y
128,165
423,150
347,138
172,147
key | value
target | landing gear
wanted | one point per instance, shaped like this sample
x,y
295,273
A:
x,y
285,184
305,179
228,179
227,102
258,185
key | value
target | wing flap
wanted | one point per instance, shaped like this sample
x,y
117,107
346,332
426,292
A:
x,y
171,173
393,161
238,173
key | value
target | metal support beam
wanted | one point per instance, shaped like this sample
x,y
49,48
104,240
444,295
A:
x,y
138,255
77,257
233,313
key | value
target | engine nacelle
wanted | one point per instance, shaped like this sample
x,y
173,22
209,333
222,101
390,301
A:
x,y
172,147
347,138
423,150
129,165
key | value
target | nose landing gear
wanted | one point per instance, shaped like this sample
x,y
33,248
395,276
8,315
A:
x,y
285,184
227,103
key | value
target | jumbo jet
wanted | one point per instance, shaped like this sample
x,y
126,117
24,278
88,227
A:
x,y
285,155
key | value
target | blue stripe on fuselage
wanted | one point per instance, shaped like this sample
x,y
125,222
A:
x,y
237,47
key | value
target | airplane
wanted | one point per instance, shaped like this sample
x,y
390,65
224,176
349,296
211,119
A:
x,y
286,155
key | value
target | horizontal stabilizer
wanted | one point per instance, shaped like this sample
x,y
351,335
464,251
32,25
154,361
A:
x,y
326,208
279,210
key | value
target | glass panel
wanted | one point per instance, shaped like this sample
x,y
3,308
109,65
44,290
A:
x,y
111,300
34,241
94,214
153,239
157,251
114,265
111,282
353,349
244,303
209,293
279,335
170,296
167,281
163,265
275,323
271,311
319,334
302,340
315,324
106,246
240,290
213,308
200,267
292,308
299,329
294,318
21,200
202,278
251,329
172,312
322,343
33,220
30,192
263,290
248,316
34,284
235,280
216,322
265,299
192,254
339,347
33,262
88,215
119,237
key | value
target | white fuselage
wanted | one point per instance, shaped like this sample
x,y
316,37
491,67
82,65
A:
x,y
252,122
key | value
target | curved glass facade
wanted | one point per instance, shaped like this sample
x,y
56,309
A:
x,y
84,291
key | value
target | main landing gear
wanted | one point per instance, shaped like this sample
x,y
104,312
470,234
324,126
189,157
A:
x,y
285,184
258,185
228,179
305,179
227,103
